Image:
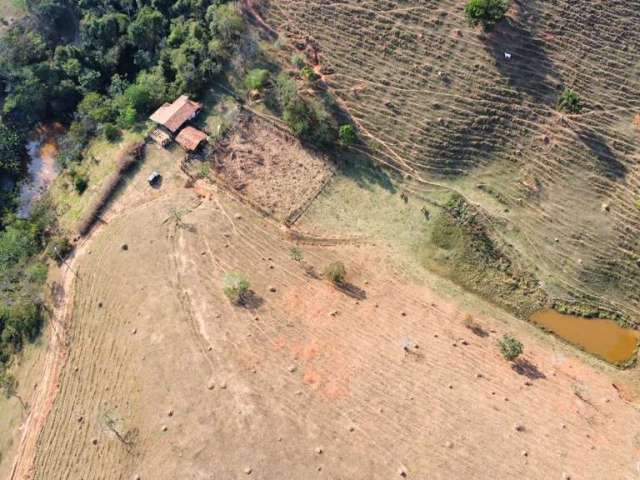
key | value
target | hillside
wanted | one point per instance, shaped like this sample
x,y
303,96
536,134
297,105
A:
x,y
441,104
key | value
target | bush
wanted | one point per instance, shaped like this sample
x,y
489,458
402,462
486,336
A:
x,y
335,272
298,61
309,120
569,101
286,89
111,132
59,248
256,79
308,73
236,288
510,348
80,183
485,12
347,135
296,254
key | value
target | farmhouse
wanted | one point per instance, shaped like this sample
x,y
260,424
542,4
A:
x,y
171,119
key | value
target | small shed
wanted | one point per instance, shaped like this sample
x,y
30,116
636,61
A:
x,y
190,138
161,137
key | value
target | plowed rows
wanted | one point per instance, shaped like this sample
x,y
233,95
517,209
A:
x,y
443,103
288,377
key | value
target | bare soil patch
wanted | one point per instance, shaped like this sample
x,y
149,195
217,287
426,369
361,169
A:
x,y
270,168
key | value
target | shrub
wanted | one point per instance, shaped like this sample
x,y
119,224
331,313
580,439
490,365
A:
x,y
59,248
296,254
335,272
80,183
510,348
236,288
347,135
309,120
485,12
298,61
111,132
286,89
256,79
308,73
569,101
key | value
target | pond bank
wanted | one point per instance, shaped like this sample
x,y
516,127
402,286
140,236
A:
x,y
43,150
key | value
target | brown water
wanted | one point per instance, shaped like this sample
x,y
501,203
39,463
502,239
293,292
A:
x,y
42,149
603,338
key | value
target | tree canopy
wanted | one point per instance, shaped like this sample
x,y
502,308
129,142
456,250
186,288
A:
x,y
485,12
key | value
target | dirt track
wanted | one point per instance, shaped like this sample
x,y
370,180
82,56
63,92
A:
x,y
288,390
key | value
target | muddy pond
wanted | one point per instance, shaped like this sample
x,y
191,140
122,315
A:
x,y
603,338
42,149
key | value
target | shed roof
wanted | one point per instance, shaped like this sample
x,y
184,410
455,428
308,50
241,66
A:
x,y
173,115
190,138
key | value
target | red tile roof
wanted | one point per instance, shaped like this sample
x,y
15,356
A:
x,y
190,138
174,115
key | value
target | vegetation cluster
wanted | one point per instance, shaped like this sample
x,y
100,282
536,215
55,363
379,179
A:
x,y
97,67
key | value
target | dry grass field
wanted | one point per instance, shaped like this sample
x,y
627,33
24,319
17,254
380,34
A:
x,y
440,103
161,377
153,374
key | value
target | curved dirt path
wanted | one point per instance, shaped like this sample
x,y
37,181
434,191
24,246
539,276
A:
x,y
44,395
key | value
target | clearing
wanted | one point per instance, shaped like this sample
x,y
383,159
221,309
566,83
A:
x,y
308,380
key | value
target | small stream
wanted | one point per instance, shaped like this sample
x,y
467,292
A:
x,y
603,338
42,169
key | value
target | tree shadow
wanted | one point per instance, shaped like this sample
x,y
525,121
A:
x,y
352,290
359,167
252,301
529,69
524,367
607,159
478,330
310,271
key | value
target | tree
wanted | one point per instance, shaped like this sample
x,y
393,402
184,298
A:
x,y
12,150
59,248
309,120
335,272
97,107
236,288
347,135
111,132
570,101
147,30
510,347
485,12
224,21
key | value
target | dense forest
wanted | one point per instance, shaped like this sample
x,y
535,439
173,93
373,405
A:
x,y
98,67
